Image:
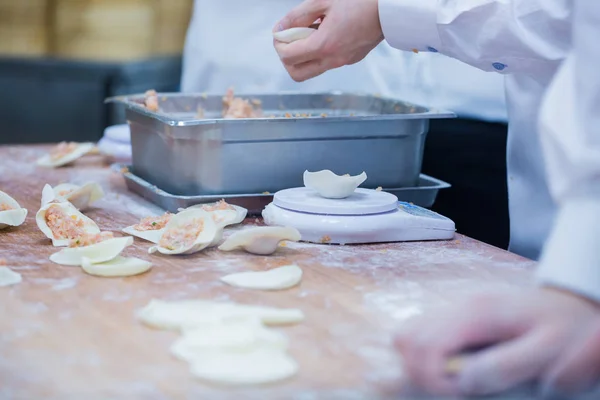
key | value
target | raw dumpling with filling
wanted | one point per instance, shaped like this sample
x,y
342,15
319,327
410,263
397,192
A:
x,y
117,267
223,213
97,250
11,213
188,232
62,222
262,240
65,153
80,196
275,279
150,228
332,186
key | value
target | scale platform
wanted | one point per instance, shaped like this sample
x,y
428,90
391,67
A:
x,y
367,216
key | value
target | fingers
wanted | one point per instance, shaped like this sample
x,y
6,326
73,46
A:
x,y
301,51
303,15
579,369
305,71
508,364
429,344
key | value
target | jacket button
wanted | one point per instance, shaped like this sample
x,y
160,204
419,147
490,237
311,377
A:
x,y
499,66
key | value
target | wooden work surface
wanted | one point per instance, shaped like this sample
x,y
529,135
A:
x,y
68,335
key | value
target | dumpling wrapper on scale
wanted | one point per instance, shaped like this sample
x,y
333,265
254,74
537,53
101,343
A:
x,y
262,240
187,314
210,234
95,253
80,196
275,279
89,226
117,267
332,186
79,151
13,217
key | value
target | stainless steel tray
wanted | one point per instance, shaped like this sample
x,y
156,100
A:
x,y
423,195
185,155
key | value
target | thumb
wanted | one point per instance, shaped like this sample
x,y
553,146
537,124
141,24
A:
x,y
303,15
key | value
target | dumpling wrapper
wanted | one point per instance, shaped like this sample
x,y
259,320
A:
x,y
9,277
152,236
210,235
223,217
95,253
80,196
275,279
293,34
332,186
238,335
185,314
262,240
260,365
14,217
81,150
89,226
117,267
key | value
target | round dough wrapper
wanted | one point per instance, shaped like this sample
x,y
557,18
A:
x,y
96,253
183,314
275,279
9,277
238,335
117,267
259,366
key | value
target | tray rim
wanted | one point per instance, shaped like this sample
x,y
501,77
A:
x,y
431,113
435,184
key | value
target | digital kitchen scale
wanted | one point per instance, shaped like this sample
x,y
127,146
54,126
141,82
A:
x,y
367,216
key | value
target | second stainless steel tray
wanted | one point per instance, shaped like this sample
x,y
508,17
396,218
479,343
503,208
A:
x,y
423,195
186,155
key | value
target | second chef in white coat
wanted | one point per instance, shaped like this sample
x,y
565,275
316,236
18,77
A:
x,y
229,45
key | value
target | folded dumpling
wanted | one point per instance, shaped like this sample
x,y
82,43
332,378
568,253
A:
x,y
64,153
62,222
11,213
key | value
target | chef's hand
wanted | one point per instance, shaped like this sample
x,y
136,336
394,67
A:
x,y
578,369
522,335
349,30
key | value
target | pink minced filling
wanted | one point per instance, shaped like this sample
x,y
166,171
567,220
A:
x,y
181,237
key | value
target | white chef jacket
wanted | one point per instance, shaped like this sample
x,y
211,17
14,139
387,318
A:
x,y
528,40
570,135
229,43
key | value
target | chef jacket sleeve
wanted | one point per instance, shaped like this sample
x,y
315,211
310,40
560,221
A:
x,y
570,136
526,36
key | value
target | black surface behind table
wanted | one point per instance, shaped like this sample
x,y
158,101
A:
x,y
471,156
48,100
